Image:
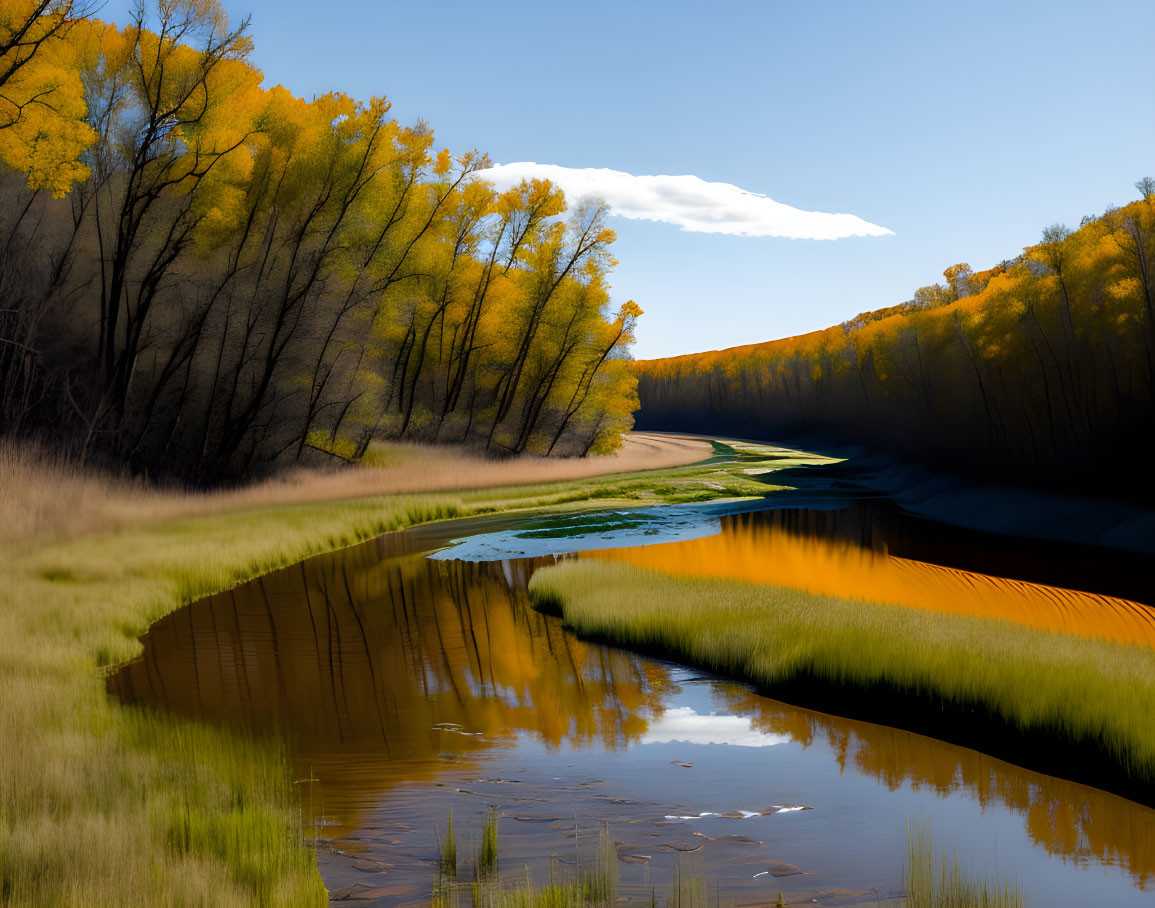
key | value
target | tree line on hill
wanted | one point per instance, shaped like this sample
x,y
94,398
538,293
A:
x,y
1037,370
203,277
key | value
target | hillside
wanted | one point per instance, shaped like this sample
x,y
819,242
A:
x,y
1033,371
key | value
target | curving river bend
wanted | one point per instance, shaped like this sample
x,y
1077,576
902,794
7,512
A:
x,y
407,685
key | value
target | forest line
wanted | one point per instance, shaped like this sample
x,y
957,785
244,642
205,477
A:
x,y
1036,370
204,277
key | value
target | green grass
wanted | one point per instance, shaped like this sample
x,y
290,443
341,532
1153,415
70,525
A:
x,y
729,473
1088,691
102,805
932,883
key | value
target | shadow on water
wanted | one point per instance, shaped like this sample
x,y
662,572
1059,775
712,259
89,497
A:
x,y
407,686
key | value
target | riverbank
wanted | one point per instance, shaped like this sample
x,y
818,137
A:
x,y
43,497
106,806
1064,704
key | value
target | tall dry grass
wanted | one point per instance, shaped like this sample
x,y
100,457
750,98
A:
x,y
1092,692
106,806
43,496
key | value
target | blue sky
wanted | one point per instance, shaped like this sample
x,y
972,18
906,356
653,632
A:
x,y
962,128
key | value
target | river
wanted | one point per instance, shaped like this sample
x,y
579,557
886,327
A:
x,y
407,685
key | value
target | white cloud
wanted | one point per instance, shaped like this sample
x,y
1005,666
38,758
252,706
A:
x,y
688,201
682,724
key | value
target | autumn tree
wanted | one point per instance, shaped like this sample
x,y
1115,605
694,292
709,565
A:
x,y
42,104
238,277
1033,370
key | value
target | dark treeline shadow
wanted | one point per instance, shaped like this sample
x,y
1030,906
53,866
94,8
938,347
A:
x,y
202,276
1036,371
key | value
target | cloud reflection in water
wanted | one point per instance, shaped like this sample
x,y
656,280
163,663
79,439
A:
x,y
685,726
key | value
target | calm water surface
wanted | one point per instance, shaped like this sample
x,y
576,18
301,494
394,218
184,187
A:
x,y
408,685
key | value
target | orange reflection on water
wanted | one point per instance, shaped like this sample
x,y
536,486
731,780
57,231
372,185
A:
x,y
384,668
380,667
753,550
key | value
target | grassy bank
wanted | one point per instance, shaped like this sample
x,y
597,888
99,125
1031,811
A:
x,y
101,805
971,672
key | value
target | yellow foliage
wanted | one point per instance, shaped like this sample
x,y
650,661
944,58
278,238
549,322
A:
x,y
42,107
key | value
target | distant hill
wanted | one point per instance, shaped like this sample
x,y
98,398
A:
x,y
1033,371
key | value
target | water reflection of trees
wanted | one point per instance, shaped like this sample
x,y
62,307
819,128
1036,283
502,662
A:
x,y
382,667
1072,821
394,660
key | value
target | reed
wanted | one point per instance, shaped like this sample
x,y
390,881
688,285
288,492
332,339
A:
x,y
932,883
688,889
1091,692
929,882
592,883
487,856
449,851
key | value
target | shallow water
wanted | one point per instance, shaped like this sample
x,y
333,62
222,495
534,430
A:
x,y
407,685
